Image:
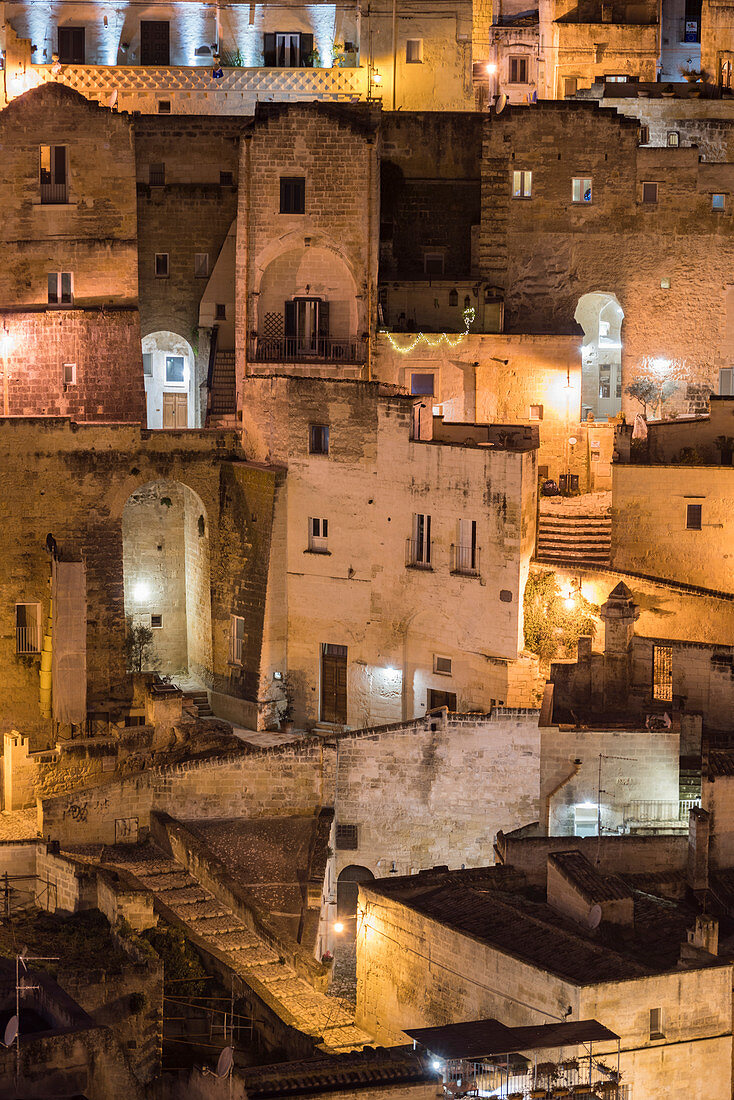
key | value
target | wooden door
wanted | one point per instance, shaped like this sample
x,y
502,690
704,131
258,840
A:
x,y
71,45
441,699
334,684
154,42
175,410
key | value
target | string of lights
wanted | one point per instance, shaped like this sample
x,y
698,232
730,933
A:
x,y
469,316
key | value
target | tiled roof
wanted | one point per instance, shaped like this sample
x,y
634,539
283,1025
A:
x,y
480,1038
721,763
365,1069
581,873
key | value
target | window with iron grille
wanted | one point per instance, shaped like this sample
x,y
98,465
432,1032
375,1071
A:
x,y
53,174
662,673
156,175
347,838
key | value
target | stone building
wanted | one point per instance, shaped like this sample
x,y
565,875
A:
x,y
442,947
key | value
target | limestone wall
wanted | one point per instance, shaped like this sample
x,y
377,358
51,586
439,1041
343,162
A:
x,y
617,855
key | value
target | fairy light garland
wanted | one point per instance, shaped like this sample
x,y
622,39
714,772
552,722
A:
x,y
444,338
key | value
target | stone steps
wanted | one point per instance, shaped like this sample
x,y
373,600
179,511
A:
x,y
200,703
223,396
574,538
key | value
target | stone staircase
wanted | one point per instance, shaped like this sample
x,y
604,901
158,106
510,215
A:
x,y
223,398
572,539
325,1018
198,702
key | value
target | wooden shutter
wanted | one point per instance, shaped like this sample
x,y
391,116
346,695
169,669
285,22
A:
x,y
269,50
323,323
306,47
59,164
291,330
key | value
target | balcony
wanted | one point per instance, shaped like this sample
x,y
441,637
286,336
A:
x,y
54,194
136,85
28,639
418,554
329,349
465,560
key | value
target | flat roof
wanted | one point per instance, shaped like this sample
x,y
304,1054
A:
x,y
480,1038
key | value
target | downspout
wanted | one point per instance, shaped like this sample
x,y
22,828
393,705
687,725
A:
x,y
370,200
394,52
576,767
248,293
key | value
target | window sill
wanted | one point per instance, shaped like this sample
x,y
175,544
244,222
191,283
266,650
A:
x,y
38,205
319,553
472,574
424,567
656,1035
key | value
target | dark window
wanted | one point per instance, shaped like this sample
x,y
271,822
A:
x,y
154,42
201,265
60,288
650,192
287,49
718,202
318,439
518,70
442,665
644,135
693,517
347,838
570,85
156,621
438,699
161,265
422,385
220,311
53,174
164,106
433,263
156,175
292,194
71,45
226,179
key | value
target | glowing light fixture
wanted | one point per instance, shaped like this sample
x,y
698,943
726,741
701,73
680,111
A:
x,y
491,68
436,1064
444,338
141,591
6,345
569,603
339,927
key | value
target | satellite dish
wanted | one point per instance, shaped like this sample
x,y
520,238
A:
x,y
112,99
500,104
226,1058
594,918
11,1031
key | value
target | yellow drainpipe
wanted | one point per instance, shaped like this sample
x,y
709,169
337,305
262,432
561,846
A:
x,y
45,673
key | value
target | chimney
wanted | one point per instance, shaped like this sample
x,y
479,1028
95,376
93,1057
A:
x,y
699,833
619,614
705,936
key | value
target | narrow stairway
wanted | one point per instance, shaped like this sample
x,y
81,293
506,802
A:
x,y
198,702
566,538
223,397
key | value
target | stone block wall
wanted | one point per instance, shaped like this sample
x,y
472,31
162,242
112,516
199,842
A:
x,y
616,855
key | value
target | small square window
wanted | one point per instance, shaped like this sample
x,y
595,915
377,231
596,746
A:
x,y
161,265
156,175
581,189
347,838
69,374
536,412
673,139
220,311
292,194
226,179
164,106
442,665
423,385
718,202
414,51
665,282
518,70
201,265
433,263
318,439
174,368
570,85
522,185
693,517
650,193
156,621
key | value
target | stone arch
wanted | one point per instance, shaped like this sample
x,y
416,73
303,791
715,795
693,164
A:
x,y
166,576
169,366
347,889
600,316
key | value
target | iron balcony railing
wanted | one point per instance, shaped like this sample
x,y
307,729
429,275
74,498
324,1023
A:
x,y
54,193
465,560
287,349
653,810
418,553
548,1081
28,639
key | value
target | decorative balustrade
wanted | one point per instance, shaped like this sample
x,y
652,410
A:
x,y
287,349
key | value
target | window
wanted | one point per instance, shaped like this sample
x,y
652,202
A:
x,y
226,179
725,73
156,175
201,265
522,185
423,385
148,364
154,42
164,106
466,551
220,311
419,546
414,51
650,193
69,374
236,639
615,78
662,673
581,189
318,534
536,412
726,382
53,174
174,368
570,85
292,194
60,288
28,628
518,70
442,665
287,49
71,45
673,139
156,621
161,265
644,135
433,263
347,838
318,439
586,820
656,1023
693,517
718,202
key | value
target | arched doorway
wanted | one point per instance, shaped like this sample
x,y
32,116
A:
x,y
169,372
165,560
600,315
347,889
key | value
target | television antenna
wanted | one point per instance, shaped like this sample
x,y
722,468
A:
x,y
12,1031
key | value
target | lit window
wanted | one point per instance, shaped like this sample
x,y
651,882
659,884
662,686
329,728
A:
x,y
522,185
581,189
518,70
174,368
615,78
656,1023
414,51
673,139
161,265
718,202
662,673
570,85
693,516
292,194
69,374
60,288
201,265
650,193
28,628
536,412
53,174
318,534
586,820
318,439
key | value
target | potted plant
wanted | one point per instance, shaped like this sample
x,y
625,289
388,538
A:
x,y
548,1072
313,60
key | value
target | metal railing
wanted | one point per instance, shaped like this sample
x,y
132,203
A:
x,y
465,560
652,810
287,349
685,805
54,193
28,639
549,1081
418,553
238,644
